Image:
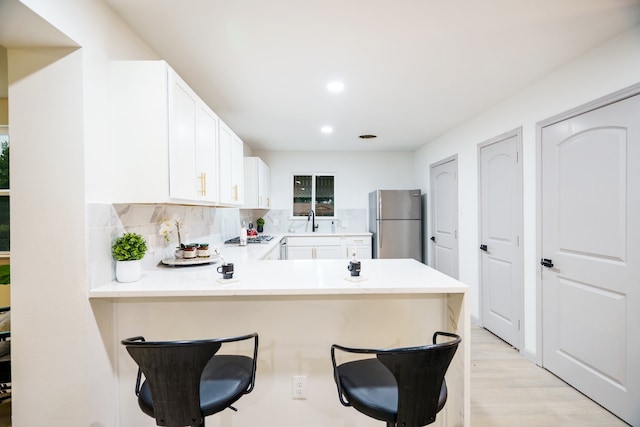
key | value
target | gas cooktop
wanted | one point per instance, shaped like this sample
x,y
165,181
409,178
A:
x,y
261,238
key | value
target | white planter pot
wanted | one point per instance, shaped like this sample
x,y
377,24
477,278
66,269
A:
x,y
128,271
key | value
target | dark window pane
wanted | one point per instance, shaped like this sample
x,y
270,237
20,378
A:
x,y
301,194
4,162
324,196
4,223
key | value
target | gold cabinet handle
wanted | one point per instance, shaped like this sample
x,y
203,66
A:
x,y
260,204
235,192
203,184
268,202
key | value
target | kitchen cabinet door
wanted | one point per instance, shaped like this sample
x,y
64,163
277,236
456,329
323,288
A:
x,y
207,181
361,244
257,184
231,167
326,252
311,247
183,113
273,255
264,186
313,252
299,252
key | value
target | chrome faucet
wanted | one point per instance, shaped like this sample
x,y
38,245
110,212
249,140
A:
x,y
312,215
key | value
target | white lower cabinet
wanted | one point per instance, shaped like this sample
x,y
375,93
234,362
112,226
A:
x,y
313,252
306,247
328,247
274,254
361,245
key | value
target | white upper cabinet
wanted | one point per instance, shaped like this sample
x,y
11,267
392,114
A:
x,y
257,184
164,138
231,167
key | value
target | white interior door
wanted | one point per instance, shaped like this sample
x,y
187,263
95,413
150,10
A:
x,y
591,252
501,274
444,217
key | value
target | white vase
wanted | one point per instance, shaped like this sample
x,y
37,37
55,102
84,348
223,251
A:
x,y
128,271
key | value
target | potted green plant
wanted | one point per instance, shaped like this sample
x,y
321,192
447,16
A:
x,y
128,251
260,224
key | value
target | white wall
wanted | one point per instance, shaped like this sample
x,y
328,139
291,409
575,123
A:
x,y
357,174
611,67
57,106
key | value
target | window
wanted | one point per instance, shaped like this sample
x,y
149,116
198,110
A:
x,y
313,192
4,190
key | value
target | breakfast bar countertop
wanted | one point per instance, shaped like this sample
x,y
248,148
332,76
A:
x,y
292,277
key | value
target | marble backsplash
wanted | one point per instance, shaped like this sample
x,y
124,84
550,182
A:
x,y
200,224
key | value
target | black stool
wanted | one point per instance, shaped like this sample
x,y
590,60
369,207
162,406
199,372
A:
x,y
401,386
185,381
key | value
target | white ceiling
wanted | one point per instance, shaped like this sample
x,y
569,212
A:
x,y
412,69
20,27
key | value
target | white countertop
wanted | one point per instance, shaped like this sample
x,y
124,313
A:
x,y
256,251
292,277
251,252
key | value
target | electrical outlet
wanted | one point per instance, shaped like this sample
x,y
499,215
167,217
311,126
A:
x,y
299,387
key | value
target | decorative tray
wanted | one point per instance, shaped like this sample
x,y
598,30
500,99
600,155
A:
x,y
191,261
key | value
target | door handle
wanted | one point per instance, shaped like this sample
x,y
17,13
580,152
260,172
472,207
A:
x,y
433,239
546,262
483,247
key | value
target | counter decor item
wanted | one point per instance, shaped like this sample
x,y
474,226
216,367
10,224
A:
x,y
128,251
260,224
192,254
203,250
243,236
166,229
189,251
354,268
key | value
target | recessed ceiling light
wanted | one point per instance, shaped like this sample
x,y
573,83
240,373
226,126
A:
x,y
367,136
326,129
335,86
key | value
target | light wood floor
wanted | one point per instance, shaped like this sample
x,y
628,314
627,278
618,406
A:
x,y
511,391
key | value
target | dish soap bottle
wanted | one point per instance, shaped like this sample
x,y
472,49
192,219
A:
x,y
243,236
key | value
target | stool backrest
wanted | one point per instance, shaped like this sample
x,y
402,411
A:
x,y
172,370
419,372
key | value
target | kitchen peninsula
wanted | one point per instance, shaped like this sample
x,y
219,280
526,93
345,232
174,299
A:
x,y
299,308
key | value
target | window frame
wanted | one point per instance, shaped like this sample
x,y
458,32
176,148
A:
x,y
313,176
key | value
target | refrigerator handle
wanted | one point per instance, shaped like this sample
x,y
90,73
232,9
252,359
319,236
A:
x,y
379,233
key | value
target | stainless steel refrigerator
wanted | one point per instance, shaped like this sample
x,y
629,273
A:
x,y
395,220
